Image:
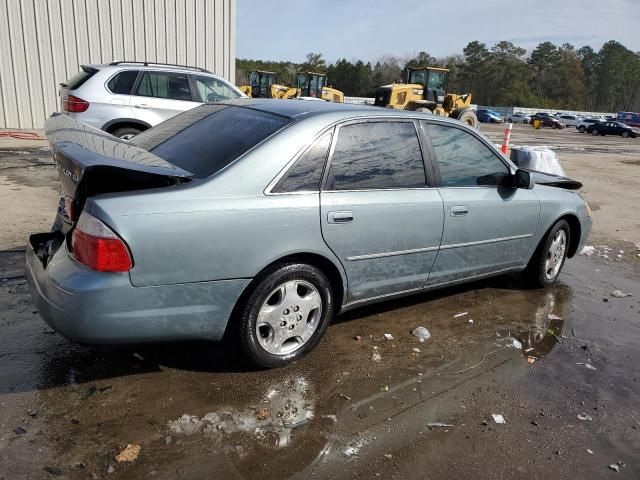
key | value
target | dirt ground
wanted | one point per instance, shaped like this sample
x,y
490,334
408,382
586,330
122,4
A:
x,y
559,364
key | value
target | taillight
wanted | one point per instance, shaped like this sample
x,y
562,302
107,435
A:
x,y
98,247
74,104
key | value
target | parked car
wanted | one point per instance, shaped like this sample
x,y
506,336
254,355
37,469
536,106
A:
x,y
569,120
519,117
126,98
547,120
630,118
585,122
612,128
488,116
268,217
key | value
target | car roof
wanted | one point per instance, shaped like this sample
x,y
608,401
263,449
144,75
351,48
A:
x,y
151,66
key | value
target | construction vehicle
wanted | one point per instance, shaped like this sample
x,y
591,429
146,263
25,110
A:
x,y
425,90
312,84
263,84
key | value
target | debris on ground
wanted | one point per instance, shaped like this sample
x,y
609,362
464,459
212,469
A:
x,y
416,350
551,316
387,455
615,467
388,336
342,395
19,431
498,418
531,360
513,343
588,366
619,294
129,454
262,414
584,417
588,250
111,469
461,314
422,333
589,451
438,425
376,357
357,338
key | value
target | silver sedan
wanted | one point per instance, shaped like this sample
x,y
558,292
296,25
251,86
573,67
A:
x,y
267,218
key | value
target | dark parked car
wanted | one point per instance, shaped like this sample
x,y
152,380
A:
x,y
547,120
613,128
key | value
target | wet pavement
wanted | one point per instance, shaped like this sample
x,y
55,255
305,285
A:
x,y
560,365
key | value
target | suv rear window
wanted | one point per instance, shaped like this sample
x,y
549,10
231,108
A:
x,y
80,78
206,139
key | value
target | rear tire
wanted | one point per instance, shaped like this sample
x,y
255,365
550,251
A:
x,y
595,132
126,133
547,261
285,314
625,134
582,129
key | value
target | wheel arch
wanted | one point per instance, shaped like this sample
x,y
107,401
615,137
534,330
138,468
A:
x,y
112,125
575,232
334,273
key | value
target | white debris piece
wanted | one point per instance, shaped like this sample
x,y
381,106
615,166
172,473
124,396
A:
x,y
589,451
422,333
584,417
614,467
498,418
513,343
388,336
461,314
471,320
551,316
376,357
619,294
588,366
417,350
588,250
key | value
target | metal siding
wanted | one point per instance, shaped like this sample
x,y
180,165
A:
x,y
44,42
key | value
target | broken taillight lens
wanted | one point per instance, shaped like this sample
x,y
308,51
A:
x,y
95,245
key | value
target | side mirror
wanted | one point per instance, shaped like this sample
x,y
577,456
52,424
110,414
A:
x,y
523,179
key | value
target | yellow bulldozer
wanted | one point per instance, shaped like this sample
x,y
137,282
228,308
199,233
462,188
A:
x,y
425,90
263,84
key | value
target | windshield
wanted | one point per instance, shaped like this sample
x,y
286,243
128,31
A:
x,y
206,139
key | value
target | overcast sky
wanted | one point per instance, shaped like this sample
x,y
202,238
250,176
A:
x,y
368,29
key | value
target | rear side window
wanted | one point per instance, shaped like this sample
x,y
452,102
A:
x,y
80,78
376,155
206,139
122,83
306,173
211,90
173,86
463,160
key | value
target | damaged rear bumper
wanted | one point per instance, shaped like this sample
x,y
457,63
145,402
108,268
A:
x,y
101,308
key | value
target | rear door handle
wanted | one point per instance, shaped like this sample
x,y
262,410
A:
x,y
459,211
340,217
141,105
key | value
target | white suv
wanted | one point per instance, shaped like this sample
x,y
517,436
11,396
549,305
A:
x,y
126,98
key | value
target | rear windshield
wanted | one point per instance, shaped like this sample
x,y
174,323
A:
x,y
206,139
79,78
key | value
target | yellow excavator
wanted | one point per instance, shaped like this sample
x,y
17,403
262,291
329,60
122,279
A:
x,y
425,90
263,84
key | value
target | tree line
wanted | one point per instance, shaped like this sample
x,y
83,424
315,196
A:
x,y
549,76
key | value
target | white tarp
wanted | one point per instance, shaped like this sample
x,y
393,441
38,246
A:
x,y
542,159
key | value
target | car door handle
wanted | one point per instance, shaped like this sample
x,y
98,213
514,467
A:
x,y
141,105
340,217
459,211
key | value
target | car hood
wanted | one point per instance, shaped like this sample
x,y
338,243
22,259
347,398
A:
x,y
551,180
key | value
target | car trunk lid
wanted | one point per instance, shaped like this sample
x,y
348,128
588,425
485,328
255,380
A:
x,y
92,162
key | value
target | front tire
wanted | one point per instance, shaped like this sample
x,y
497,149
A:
x,y
547,262
466,115
582,129
595,132
286,314
625,134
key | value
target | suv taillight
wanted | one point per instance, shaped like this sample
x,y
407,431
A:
x,y
74,104
98,247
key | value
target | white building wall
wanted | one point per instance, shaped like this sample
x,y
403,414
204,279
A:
x,y
44,42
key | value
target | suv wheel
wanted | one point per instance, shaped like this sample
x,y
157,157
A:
x,y
286,314
582,129
126,133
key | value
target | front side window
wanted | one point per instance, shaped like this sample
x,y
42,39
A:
x,y
306,173
463,160
213,90
376,155
173,86
122,83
